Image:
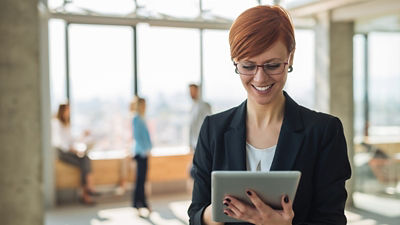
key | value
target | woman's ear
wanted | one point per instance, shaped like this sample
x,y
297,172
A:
x,y
291,56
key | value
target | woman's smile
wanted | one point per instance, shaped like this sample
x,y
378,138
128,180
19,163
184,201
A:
x,y
264,89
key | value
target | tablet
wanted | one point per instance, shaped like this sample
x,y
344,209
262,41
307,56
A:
x,y
270,186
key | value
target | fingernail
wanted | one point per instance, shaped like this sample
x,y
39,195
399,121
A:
x,y
249,193
225,213
227,199
286,199
225,204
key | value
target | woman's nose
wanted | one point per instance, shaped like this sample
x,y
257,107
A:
x,y
260,75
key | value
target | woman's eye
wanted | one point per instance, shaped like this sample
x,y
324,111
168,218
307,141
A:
x,y
272,66
248,67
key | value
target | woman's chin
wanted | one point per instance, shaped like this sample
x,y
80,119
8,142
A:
x,y
264,99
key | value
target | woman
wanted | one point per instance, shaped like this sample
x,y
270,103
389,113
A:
x,y
64,143
269,131
141,150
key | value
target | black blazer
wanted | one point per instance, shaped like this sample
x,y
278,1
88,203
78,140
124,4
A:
x,y
310,142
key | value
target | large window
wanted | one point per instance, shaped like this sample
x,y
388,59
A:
x,y
101,65
359,86
168,61
58,86
221,86
384,82
101,73
383,69
377,155
301,82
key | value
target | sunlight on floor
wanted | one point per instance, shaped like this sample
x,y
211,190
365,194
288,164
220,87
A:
x,y
128,215
168,211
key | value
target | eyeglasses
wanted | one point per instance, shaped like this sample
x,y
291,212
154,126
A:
x,y
249,69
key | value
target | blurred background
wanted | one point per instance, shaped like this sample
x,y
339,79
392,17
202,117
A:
x,y
97,55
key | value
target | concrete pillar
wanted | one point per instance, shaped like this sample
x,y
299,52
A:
x,y
334,77
20,115
48,153
341,85
322,64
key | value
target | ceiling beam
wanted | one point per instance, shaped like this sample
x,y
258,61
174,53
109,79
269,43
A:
x,y
315,7
133,20
368,9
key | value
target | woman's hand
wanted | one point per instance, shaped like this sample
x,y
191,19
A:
x,y
207,217
260,213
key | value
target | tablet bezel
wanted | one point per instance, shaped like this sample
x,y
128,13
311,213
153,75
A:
x,y
270,186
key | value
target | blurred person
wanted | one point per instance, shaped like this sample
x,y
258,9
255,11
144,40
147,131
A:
x,y
141,150
200,109
65,144
270,131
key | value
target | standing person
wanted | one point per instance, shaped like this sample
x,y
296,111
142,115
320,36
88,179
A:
x,y
64,144
270,131
199,111
141,150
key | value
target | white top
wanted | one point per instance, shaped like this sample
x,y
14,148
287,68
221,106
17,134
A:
x,y
199,111
61,136
259,159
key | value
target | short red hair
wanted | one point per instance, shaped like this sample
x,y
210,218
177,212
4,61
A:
x,y
258,28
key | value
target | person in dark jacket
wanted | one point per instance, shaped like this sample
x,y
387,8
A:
x,y
270,132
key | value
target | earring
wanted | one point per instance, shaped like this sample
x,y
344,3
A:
x,y
290,69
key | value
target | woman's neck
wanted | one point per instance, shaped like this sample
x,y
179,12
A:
x,y
262,116
139,114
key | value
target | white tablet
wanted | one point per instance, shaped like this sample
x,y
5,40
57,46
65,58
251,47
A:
x,y
270,186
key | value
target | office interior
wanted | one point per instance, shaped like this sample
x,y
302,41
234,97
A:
x,y
97,55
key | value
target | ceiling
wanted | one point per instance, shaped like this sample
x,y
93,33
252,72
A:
x,y
368,15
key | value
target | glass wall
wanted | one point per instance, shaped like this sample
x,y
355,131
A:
x,y
58,86
101,65
168,61
377,125
384,91
221,85
300,83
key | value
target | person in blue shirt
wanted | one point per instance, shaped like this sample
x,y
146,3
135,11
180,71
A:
x,y
141,150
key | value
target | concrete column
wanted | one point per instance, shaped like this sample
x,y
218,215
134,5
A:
x,y
20,115
322,64
341,85
48,153
334,77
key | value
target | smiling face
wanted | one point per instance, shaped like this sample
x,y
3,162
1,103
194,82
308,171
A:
x,y
264,89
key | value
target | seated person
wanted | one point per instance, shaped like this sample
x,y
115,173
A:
x,y
64,144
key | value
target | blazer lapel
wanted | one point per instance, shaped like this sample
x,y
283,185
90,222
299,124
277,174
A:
x,y
235,140
290,137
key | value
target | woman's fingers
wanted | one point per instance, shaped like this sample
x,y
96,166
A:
x,y
260,213
257,202
236,204
237,209
234,210
287,206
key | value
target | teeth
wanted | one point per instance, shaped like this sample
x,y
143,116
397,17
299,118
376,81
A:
x,y
263,88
